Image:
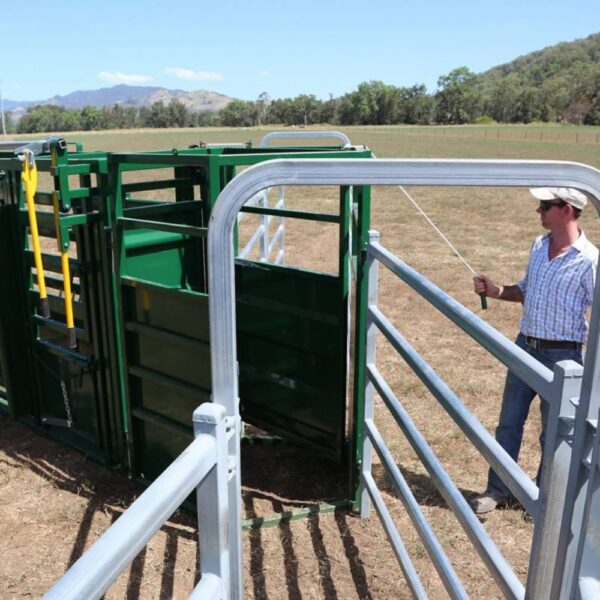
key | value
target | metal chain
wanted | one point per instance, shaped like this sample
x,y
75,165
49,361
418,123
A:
x,y
63,387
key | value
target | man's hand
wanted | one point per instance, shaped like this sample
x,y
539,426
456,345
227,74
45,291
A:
x,y
484,285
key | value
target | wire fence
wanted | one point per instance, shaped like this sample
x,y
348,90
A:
x,y
556,134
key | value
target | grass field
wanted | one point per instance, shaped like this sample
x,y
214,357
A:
x,y
334,556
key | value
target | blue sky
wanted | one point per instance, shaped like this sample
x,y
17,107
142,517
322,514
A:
x,y
243,48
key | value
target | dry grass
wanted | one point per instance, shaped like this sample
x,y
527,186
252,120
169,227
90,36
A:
x,y
55,503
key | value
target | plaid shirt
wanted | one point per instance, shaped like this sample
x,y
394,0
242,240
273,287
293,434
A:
x,y
558,292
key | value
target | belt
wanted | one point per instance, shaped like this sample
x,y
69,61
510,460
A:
x,y
539,344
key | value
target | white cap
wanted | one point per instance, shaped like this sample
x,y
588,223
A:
x,y
570,195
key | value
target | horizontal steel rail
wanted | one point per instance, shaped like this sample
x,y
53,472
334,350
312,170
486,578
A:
x,y
345,172
100,566
515,478
342,137
406,564
293,214
256,200
191,230
449,577
499,567
517,360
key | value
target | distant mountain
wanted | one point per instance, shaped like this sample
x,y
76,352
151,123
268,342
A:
x,y
128,96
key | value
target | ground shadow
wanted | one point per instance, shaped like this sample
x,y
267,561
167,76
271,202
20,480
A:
x,y
104,490
422,486
276,479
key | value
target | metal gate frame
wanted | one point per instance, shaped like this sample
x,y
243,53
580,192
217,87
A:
x,y
396,172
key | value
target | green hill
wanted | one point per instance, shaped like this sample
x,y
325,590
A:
x,y
558,83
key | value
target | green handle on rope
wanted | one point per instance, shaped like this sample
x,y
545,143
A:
x,y
483,300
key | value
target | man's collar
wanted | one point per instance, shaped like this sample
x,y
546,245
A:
x,y
579,244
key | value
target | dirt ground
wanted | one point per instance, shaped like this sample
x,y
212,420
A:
x,y
54,502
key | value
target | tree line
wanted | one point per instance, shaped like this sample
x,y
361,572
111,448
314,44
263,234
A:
x,y
527,90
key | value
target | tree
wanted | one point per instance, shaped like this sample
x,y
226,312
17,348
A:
x,y
262,107
238,113
306,109
90,118
178,114
157,115
329,110
48,117
416,106
502,104
458,99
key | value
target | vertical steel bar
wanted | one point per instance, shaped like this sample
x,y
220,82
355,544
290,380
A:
x,y
545,566
263,201
211,498
580,492
361,240
281,205
372,269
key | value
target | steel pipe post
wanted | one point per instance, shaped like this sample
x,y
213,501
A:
x,y
549,547
372,268
212,499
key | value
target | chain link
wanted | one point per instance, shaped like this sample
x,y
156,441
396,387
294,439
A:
x,y
63,387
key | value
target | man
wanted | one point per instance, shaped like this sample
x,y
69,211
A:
x,y
556,293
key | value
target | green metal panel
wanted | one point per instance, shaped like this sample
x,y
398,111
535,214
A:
x,y
292,324
168,359
47,381
291,354
18,381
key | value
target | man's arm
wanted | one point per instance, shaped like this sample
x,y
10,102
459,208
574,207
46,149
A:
x,y
510,293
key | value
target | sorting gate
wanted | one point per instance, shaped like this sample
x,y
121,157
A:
x,y
564,559
290,320
165,317
72,393
136,229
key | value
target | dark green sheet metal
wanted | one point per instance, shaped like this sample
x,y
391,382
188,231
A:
x,y
142,364
292,365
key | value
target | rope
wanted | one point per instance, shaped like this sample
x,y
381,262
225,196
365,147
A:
x,y
471,269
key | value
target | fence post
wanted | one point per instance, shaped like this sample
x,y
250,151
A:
x,y
264,223
281,224
372,268
212,499
548,548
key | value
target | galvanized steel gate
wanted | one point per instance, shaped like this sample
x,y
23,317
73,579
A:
x,y
564,556
154,302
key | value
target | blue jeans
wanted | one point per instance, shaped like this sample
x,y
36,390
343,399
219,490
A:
x,y
516,401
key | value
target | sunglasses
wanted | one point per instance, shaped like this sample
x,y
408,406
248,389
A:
x,y
546,205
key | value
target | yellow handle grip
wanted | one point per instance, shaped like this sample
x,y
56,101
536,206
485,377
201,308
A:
x,y
29,179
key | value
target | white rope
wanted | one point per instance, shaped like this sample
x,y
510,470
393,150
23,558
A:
x,y
471,269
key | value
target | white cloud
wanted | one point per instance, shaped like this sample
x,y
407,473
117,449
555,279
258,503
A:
x,y
117,77
264,74
190,75
17,86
